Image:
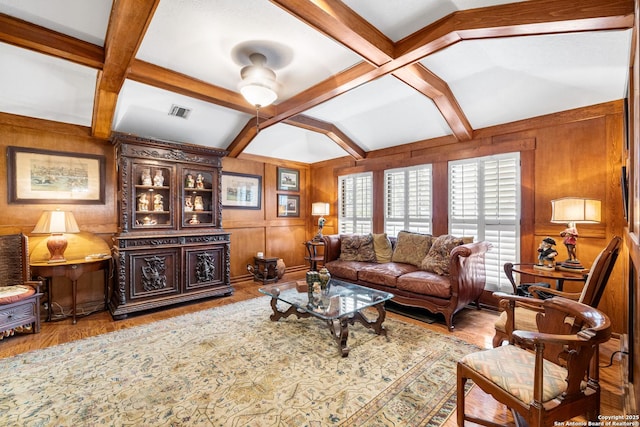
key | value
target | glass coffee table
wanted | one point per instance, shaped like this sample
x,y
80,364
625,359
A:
x,y
343,304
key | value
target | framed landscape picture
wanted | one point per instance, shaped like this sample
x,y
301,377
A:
x,y
288,205
241,191
288,179
43,176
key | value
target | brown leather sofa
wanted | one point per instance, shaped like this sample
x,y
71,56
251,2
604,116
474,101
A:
x,y
446,294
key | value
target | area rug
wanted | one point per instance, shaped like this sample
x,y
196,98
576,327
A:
x,y
232,366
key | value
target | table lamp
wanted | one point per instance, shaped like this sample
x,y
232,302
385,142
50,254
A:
x,y
56,223
319,209
572,211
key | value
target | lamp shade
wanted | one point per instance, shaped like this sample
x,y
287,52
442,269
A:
x,y
57,221
575,209
319,209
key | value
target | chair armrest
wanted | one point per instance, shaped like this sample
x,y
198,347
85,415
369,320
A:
x,y
36,284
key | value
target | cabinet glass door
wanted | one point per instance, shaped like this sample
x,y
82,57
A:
x,y
197,198
152,196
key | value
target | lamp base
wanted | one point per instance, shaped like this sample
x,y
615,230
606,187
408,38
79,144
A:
x,y
57,244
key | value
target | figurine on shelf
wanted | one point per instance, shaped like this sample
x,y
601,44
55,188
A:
x,y
157,203
148,221
200,181
158,179
188,204
190,182
547,253
145,177
143,202
198,204
194,219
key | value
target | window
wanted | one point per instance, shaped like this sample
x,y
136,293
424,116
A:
x,y
484,202
407,200
355,203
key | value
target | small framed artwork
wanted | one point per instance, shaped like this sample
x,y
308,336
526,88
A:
x,y
288,179
43,176
241,191
288,205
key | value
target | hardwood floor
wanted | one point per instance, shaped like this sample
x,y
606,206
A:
x,y
471,325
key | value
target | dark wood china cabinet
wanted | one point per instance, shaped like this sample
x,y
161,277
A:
x,y
170,246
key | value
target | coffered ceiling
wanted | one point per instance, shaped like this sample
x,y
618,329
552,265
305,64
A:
x,y
355,76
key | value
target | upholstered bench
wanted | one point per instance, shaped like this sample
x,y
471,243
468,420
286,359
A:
x,y
19,295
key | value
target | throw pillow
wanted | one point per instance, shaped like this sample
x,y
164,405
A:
x,y
382,247
357,247
437,260
411,248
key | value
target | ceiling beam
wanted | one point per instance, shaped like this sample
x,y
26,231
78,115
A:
x,y
127,26
243,139
154,75
427,83
336,20
42,40
331,131
533,17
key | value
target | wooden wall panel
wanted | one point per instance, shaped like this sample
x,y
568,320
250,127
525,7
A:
x,y
263,230
99,219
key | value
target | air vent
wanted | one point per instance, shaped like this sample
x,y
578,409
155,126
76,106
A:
x,y
179,111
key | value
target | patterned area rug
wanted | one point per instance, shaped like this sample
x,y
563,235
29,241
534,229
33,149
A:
x,y
232,366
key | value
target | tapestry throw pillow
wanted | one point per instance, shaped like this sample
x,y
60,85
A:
x,y
382,247
438,258
357,247
411,248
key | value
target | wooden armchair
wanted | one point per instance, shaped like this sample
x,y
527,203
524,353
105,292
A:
x,y
555,382
522,316
19,296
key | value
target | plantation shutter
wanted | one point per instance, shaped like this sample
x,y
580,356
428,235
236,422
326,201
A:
x,y
485,203
408,200
355,203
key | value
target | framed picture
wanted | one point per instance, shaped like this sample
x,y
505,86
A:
x,y
288,179
42,176
288,205
241,191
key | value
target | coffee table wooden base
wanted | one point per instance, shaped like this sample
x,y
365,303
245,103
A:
x,y
339,327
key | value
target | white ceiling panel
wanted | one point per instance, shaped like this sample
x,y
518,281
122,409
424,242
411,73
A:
x,y
503,80
206,40
45,87
383,113
144,111
292,143
84,20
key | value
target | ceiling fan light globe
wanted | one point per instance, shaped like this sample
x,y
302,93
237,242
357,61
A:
x,y
257,94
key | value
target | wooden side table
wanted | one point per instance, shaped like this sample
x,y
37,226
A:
x,y
72,270
315,253
558,275
264,269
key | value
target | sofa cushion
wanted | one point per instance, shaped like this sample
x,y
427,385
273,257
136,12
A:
x,y
357,247
411,248
382,247
425,283
347,270
384,274
438,258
